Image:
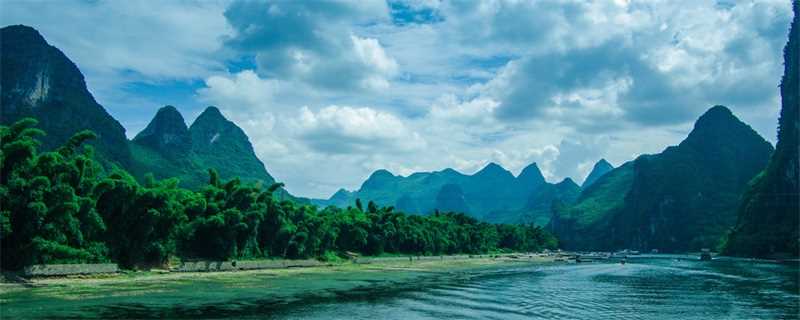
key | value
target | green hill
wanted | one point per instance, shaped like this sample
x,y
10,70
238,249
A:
x,y
167,148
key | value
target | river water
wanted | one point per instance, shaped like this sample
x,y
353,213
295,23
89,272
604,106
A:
x,y
654,287
660,287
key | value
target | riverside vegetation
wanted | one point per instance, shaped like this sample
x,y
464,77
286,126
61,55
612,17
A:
x,y
95,196
62,206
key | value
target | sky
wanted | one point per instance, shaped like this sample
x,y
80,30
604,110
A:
x,y
330,91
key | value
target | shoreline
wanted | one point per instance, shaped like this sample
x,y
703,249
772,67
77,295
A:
x,y
255,293
184,294
427,264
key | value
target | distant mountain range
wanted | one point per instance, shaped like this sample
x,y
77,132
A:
x,y
492,194
39,81
491,188
684,198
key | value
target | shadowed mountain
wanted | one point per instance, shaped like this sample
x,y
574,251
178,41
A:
x,y
682,199
600,168
770,208
537,208
39,81
451,199
167,133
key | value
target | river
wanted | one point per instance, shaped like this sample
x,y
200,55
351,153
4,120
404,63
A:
x,y
660,287
647,287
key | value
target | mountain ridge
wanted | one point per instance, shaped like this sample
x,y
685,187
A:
x,y
678,200
40,81
600,168
768,224
492,193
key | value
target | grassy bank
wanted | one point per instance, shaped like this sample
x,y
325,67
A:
x,y
178,294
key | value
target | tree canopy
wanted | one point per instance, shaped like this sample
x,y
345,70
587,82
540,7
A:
x,y
61,206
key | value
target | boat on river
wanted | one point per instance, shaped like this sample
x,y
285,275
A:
x,y
705,254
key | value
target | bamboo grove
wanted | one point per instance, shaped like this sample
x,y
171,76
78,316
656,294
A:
x,y
61,206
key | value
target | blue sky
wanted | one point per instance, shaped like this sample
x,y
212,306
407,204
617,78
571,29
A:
x,y
329,91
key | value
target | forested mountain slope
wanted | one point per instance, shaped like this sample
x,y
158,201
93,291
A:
x,y
769,213
684,198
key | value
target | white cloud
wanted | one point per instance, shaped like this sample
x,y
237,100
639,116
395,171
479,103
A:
x,y
381,67
449,109
120,46
329,91
335,129
242,91
372,54
158,41
313,42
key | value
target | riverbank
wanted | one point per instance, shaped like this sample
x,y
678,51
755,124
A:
x,y
526,286
73,295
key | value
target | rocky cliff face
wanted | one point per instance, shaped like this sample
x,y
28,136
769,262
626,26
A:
x,y
682,199
39,81
769,212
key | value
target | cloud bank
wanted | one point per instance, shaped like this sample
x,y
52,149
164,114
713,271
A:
x,y
330,91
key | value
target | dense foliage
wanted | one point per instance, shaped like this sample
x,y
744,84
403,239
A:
x,y
61,206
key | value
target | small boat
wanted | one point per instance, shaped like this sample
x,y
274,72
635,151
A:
x,y
705,254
